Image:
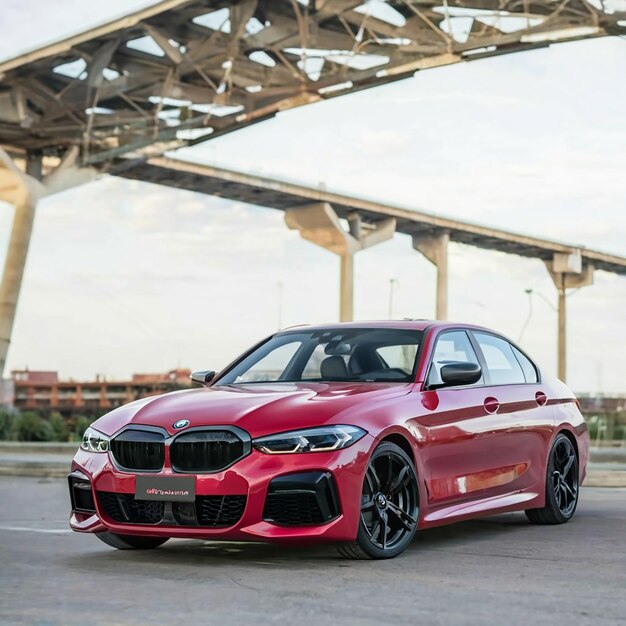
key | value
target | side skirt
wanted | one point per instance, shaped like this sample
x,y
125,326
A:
x,y
515,501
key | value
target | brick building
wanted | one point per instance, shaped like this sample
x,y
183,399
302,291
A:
x,y
45,392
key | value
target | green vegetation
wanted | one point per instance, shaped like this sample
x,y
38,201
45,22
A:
x,y
30,426
614,429
7,418
81,423
59,428
34,426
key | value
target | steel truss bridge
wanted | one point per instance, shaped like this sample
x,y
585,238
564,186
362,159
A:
x,y
184,71
117,96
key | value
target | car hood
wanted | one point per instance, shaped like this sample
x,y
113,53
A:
x,y
259,409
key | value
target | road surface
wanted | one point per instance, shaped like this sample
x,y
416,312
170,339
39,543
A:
x,y
497,571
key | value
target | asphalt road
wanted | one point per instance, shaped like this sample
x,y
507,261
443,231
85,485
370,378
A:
x,y
497,571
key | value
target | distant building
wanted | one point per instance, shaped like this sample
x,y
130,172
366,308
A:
x,y
600,403
7,392
44,392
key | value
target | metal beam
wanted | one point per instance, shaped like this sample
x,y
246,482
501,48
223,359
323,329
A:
x,y
265,55
63,45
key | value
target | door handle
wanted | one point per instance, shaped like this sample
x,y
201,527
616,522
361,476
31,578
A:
x,y
541,398
491,404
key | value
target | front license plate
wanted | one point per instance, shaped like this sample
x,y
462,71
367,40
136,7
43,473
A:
x,y
172,488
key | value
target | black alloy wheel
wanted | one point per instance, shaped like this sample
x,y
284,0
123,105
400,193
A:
x,y
389,506
561,485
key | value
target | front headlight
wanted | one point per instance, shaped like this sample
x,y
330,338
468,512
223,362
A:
x,y
323,439
94,441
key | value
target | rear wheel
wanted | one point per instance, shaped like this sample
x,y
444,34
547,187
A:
x,y
131,542
561,485
389,506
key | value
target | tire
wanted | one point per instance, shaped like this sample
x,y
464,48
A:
x,y
561,485
389,506
131,542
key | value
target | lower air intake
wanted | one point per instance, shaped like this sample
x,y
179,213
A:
x,y
302,499
219,510
206,511
123,508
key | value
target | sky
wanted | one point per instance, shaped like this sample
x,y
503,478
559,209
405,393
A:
x,y
129,277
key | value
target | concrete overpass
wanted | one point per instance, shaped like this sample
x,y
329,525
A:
x,y
316,214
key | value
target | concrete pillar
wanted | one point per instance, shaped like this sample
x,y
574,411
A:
x,y
319,224
22,191
567,272
346,288
562,330
435,249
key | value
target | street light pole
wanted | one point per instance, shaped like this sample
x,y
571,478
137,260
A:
x,y
279,284
392,284
529,292
561,328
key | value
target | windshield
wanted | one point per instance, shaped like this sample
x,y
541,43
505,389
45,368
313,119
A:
x,y
330,355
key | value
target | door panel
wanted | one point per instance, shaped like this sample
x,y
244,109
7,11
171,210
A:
x,y
529,421
484,441
468,453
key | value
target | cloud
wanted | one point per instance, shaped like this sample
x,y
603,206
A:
x,y
383,141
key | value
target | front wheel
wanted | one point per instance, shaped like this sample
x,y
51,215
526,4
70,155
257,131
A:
x,y
389,506
131,542
561,485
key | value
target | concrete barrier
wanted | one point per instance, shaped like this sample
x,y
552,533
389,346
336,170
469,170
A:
x,y
38,447
606,469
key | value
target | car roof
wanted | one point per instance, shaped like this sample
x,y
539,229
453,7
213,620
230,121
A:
x,y
411,324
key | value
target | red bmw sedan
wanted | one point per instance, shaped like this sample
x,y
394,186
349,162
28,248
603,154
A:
x,y
358,434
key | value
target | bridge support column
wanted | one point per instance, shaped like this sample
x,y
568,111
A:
x,y
319,224
567,272
22,191
435,249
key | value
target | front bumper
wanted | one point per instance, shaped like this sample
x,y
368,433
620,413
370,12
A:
x,y
249,477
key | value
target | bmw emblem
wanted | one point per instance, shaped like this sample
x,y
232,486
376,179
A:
x,y
180,424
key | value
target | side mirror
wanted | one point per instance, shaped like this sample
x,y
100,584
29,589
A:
x,y
203,377
460,374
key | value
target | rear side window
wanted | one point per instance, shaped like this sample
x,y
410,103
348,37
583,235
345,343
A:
x,y
452,347
503,366
530,371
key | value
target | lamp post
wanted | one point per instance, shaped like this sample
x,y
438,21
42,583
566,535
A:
x,y
280,287
393,283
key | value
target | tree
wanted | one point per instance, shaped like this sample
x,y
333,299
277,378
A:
x,y
30,426
7,424
58,427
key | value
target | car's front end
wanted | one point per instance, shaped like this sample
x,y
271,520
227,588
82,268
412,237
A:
x,y
275,449
216,482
